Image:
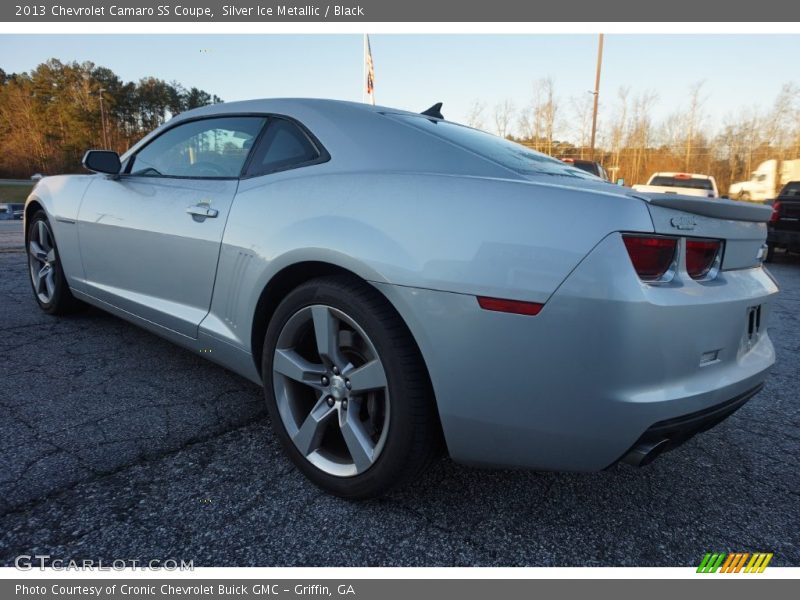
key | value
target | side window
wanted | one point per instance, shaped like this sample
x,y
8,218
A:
x,y
213,147
284,145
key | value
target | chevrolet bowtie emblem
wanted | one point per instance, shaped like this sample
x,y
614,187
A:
x,y
683,222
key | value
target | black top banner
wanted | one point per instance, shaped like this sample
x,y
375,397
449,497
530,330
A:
x,y
408,10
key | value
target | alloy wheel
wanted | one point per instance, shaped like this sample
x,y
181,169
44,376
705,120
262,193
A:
x,y
331,390
42,261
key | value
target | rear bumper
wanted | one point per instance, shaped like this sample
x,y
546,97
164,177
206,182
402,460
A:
x,y
608,358
671,433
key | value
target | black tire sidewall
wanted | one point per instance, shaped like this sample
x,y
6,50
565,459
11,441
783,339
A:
x,y
61,296
390,463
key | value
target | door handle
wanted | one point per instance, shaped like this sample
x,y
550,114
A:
x,y
202,211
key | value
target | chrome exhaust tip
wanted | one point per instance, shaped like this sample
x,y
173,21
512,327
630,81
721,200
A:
x,y
645,453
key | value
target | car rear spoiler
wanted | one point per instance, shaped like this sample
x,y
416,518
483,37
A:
x,y
715,208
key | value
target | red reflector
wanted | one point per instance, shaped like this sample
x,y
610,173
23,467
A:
x,y
510,306
651,256
776,212
700,256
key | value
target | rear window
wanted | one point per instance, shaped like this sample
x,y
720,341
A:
x,y
283,146
681,182
508,154
791,190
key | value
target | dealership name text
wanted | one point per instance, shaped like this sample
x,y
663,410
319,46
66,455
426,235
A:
x,y
168,589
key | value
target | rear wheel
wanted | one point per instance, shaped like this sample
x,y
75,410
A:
x,y
346,389
50,288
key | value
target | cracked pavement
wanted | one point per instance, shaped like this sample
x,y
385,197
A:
x,y
117,444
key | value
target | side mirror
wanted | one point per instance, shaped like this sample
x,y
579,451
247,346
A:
x,y
620,181
102,161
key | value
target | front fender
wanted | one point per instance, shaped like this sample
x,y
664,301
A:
x,y
60,197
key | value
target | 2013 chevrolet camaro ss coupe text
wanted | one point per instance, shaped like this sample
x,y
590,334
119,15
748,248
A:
x,y
401,284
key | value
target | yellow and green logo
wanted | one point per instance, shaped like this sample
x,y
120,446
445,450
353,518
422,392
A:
x,y
734,562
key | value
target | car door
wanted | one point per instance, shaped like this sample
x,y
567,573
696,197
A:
x,y
150,239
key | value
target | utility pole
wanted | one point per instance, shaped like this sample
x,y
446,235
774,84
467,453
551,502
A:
x,y
596,91
103,118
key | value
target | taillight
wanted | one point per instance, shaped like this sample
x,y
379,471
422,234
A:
x,y
701,256
776,212
516,307
651,256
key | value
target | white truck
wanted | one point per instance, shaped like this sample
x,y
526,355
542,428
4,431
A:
x,y
686,184
764,183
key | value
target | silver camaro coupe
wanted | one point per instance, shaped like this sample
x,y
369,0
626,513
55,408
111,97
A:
x,y
400,284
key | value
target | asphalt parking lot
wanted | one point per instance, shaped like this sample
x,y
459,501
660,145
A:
x,y
118,445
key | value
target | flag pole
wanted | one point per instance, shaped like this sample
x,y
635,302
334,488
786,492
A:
x,y
364,71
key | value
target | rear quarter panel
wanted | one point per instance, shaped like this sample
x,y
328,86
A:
x,y
480,236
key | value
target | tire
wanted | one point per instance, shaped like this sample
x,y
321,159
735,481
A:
x,y
50,289
770,253
368,390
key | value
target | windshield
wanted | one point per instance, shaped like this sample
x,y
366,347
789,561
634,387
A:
x,y
511,155
681,182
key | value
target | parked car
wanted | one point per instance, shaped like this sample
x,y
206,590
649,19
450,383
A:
x,y
687,184
10,210
783,229
766,181
37,176
396,280
590,166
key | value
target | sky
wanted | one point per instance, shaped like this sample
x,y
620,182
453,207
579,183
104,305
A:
x,y
415,71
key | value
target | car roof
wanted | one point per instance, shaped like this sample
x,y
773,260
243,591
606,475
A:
x,y
333,122
361,138
288,106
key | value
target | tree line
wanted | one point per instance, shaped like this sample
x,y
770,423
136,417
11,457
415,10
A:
x,y
51,115
631,144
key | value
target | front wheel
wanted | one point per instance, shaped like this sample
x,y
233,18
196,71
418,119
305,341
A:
x,y
50,288
346,389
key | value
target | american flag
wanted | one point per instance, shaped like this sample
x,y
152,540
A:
x,y
370,70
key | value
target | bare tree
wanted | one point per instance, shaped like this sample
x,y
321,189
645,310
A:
x,y
781,125
692,119
538,119
546,111
582,120
618,127
639,134
503,115
475,116
528,125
